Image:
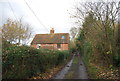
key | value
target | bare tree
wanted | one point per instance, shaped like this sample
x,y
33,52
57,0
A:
x,y
104,26
73,32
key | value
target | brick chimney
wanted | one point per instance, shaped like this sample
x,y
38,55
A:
x,y
52,31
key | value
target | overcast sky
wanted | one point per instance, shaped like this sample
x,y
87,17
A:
x,y
52,13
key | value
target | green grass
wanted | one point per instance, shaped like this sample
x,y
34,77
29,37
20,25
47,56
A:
x,y
92,72
75,60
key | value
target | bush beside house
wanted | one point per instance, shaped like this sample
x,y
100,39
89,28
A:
x,y
21,62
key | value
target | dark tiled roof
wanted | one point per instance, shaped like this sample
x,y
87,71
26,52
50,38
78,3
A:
x,y
51,38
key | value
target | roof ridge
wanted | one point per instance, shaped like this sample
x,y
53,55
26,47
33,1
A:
x,y
61,33
53,33
51,38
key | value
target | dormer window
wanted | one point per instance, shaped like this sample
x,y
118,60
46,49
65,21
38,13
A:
x,y
63,37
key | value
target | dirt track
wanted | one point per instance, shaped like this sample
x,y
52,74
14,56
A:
x,y
75,69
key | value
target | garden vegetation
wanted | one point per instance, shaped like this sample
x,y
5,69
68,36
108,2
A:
x,y
23,62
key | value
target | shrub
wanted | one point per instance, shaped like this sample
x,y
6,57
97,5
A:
x,y
20,62
72,50
116,61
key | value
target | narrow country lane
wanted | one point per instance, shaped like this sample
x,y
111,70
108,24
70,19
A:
x,y
75,69
64,71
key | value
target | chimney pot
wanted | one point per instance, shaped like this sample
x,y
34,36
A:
x,y
52,31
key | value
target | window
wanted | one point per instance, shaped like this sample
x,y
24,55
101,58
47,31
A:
x,y
38,46
58,46
63,37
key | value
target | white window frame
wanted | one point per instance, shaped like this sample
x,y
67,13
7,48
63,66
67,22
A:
x,y
38,46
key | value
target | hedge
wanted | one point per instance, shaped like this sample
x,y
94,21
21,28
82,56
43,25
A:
x,y
21,62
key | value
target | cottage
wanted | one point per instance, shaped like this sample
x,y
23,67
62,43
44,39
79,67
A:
x,y
53,41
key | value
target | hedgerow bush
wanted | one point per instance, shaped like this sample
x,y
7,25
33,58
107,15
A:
x,y
20,62
72,50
